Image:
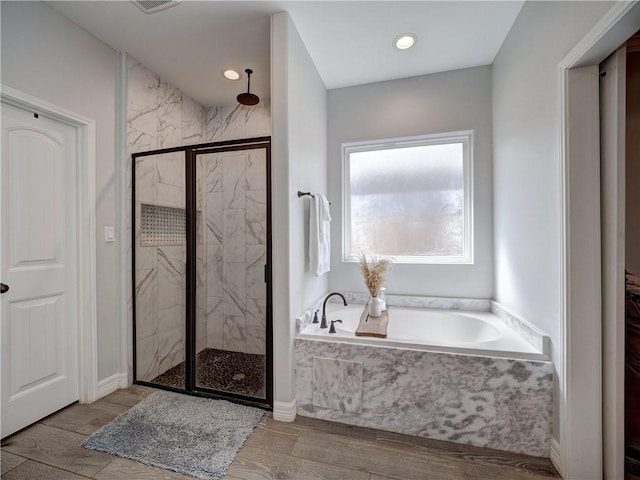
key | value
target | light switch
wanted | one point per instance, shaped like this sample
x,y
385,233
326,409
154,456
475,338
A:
x,y
109,234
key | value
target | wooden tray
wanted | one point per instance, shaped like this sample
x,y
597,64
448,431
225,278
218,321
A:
x,y
372,326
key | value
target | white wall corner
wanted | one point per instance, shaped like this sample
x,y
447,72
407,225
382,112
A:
x,y
123,245
554,454
111,384
285,411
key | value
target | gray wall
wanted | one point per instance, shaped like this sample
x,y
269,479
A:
x,y
526,163
47,56
443,102
299,122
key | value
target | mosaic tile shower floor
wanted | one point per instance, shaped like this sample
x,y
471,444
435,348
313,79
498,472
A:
x,y
233,372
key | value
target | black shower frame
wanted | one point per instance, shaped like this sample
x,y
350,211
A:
x,y
190,387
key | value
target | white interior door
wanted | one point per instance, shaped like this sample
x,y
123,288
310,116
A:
x,y
39,314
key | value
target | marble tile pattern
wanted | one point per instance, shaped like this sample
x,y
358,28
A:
x,y
533,335
234,191
500,403
231,223
256,325
234,205
234,122
307,317
337,384
158,116
446,303
215,323
142,98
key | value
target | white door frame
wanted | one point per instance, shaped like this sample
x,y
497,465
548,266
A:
x,y
612,171
86,235
580,381
579,454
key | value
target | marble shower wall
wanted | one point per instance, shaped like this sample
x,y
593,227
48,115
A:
x,y
498,403
160,116
237,121
234,205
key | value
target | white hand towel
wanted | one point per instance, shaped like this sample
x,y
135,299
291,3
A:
x,y
319,236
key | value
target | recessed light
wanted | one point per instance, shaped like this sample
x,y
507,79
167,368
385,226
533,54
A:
x,y
405,41
231,75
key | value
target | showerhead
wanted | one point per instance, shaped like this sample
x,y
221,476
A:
x,y
248,98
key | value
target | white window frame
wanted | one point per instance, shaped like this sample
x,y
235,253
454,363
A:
x,y
466,138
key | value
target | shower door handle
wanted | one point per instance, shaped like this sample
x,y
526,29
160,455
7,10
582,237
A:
x,y
4,288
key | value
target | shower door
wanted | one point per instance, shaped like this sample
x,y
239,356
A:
x,y
159,268
231,288
202,315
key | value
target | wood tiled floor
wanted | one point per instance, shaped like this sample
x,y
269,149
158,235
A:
x,y
306,449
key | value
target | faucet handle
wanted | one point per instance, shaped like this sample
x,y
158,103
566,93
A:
x,y
315,316
332,329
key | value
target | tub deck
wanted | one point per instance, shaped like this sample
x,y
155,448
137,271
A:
x,y
431,330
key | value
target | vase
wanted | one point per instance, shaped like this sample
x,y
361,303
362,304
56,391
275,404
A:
x,y
382,294
375,307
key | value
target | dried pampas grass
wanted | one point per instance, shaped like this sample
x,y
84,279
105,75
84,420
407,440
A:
x,y
374,273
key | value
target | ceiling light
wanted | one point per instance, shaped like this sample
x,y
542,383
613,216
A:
x,y
405,41
231,75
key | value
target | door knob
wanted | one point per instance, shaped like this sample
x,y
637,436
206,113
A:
x,y
4,288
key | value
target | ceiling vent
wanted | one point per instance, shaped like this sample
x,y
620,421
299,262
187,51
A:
x,y
153,6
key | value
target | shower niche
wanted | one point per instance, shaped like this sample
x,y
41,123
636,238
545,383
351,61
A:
x,y
202,283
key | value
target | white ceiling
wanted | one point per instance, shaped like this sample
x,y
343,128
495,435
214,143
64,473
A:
x,y
190,44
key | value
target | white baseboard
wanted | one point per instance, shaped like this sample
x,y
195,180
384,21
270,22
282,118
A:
x,y
112,383
284,412
554,455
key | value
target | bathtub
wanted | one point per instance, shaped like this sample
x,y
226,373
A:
x,y
459,376
467,332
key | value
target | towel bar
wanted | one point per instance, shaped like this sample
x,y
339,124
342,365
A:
x,y
307,194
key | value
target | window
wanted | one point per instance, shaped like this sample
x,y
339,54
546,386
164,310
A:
x,y
409,199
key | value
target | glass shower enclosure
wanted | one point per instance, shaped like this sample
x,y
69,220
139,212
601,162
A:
x,y
201,270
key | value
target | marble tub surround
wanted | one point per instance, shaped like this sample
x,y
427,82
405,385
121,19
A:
x,y
447,303
530,333
337,384
499,403
306,318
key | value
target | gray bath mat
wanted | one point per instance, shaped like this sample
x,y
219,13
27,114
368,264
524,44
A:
x,y
190,435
